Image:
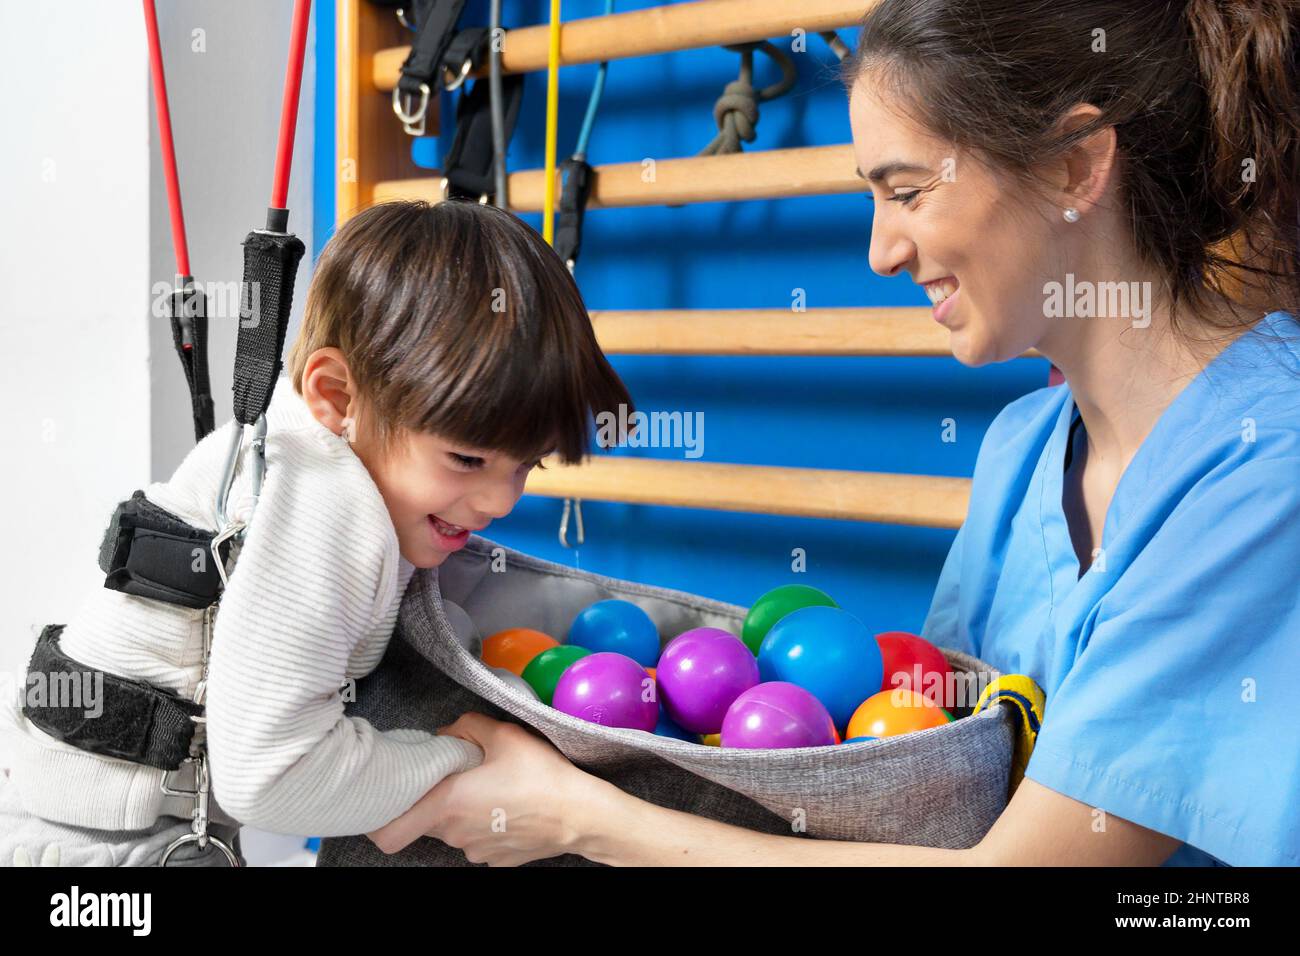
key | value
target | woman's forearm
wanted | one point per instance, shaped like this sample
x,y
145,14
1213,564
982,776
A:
x,y
622,830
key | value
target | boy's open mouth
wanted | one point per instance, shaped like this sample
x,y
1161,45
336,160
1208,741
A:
x,y
447,529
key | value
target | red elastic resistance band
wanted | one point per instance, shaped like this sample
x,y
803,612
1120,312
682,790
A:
x,y
165,141
289,106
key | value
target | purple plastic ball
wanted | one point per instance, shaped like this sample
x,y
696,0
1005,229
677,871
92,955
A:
x,y
608,689
777,714
700,673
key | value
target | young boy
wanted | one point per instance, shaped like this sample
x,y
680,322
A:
x,y
444,350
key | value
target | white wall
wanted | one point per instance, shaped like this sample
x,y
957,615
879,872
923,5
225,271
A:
x,y
95,399
74,293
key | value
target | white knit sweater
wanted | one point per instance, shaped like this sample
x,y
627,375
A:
x,y
313,599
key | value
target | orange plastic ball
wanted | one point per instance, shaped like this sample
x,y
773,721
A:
x,y
651,672
894,712
515,647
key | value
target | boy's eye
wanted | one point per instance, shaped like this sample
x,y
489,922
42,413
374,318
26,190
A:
x,y
466,461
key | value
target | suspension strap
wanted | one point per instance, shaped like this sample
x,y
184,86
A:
x,y
435,24
188,307
189,317
468,167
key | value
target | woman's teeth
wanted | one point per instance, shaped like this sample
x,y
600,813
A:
x,y
938,291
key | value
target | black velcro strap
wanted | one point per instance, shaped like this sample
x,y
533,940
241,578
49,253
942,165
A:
x,y
266,298
189,316
128,719
577,177
149,552
468,166
437,21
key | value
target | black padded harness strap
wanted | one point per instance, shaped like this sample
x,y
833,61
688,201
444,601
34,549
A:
x,y
149,552
129,719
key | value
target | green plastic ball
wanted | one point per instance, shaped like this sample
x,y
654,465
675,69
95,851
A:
x,y
776,604
543,671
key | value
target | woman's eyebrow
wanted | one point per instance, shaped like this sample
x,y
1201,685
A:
x,y
885,170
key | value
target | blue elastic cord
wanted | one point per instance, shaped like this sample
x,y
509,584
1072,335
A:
x,y
594,102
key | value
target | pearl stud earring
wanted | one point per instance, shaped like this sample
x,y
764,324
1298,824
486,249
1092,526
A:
x,y
1071,215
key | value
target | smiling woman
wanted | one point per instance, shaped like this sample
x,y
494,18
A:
x,y
1013,149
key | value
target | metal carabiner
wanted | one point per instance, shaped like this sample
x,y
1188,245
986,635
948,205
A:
x,y
412,123
199,819
576,505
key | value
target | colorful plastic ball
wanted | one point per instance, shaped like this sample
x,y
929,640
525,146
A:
x,y
619,627
776,604
514,647
711,740
515,681
462,625
667,727
860,740
607,689
890,713
543,671
651,672
777,714
913,663
826,651
700,673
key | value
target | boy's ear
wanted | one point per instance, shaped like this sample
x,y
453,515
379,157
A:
x,y
328,389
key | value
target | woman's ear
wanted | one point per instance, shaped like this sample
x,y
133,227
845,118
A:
x,y
328,389
1087,166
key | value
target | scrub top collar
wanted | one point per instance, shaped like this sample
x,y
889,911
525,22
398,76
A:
x,y
1180,423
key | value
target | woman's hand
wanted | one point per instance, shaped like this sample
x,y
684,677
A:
x,y
517,806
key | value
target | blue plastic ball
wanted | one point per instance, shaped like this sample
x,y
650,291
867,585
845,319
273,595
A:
x,y
619,627
828,652
668,728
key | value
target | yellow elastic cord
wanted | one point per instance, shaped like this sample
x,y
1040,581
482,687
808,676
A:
x,y
552,122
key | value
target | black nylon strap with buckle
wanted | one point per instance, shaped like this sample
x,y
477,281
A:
x,y
149,552
435,21
134,721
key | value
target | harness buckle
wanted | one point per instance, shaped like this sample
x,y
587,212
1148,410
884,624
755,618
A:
x,y
412,122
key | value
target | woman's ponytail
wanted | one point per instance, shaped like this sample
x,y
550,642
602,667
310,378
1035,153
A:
x,y
1246,53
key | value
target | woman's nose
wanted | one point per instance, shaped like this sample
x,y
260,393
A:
x,y
891,250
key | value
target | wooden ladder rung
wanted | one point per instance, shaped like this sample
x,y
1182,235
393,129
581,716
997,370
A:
x,y
921,500
765,174
664,29
872,330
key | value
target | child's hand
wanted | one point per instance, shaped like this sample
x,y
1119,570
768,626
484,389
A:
x,y
515,807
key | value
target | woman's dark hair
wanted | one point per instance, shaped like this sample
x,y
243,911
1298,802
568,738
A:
x,y
1202,95
458,319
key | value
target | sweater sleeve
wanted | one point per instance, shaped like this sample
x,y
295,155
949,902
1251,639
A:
x,y
318,569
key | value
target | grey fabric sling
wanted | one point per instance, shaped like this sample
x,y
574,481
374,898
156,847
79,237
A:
x,y
942,787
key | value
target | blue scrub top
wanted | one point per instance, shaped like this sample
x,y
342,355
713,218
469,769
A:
x,y
1172,666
